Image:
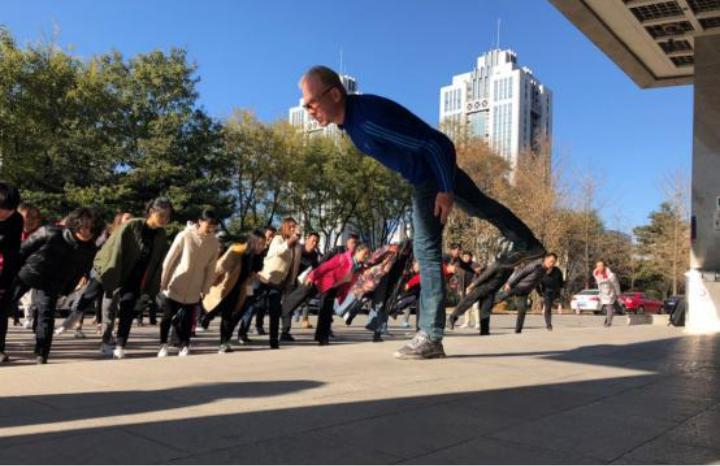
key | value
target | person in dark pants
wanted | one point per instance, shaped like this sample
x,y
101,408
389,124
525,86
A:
x,y
309,259
482,288
425,157
188,272
334,278
128,265
261,308
11,228
278,273
549,288
523,281
53,261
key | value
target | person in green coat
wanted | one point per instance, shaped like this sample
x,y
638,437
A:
x,y
129,265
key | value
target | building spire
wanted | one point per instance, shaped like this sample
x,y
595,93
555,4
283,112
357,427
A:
x,y
341,62
497,44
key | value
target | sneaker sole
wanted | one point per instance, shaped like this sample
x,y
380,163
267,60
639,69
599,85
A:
x,y
417,357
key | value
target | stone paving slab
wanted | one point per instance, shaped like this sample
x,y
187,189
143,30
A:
x,y
581,394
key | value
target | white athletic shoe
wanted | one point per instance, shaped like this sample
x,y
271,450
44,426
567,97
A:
x,y
200,329
185,351
163,351
477,327
79,334
225,348
119,352
59,331
106,350
464,326
4,357
27,324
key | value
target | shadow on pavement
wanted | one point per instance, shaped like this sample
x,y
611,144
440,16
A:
x,y
669,414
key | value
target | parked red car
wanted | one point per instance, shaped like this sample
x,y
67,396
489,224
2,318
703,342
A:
x,y
640,303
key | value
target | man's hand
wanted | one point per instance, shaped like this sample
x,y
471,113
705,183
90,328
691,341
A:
x,y
506,288
443,206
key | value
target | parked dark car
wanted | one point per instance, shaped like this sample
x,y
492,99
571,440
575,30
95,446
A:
x,y
670,304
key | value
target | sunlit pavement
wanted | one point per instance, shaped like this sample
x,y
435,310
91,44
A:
x,y
579,394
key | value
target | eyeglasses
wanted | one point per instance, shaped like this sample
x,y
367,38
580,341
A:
x,y
312,103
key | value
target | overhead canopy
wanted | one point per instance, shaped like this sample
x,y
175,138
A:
x,y
653,41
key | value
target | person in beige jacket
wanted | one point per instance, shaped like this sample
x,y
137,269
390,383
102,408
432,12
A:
x,y
276,278
234,273
188,272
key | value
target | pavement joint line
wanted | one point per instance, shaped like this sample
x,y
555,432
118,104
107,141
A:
x,y
677,425
150,439
563,411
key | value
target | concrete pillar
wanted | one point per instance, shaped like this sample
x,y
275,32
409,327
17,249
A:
x,y
703,289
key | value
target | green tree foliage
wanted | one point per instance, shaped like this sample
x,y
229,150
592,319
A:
x,y
107,131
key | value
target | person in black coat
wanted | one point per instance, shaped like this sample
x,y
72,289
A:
x,y
518,283
11,227
53,261
481,290
549,288
522,283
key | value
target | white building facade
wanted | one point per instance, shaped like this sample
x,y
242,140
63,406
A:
x,y
500,102
298,116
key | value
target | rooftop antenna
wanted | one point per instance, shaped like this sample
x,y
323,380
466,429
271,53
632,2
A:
x,y
497,45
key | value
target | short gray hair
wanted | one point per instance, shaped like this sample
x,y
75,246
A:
x,y
326,75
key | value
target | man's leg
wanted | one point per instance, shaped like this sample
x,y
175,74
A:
x,y
184,326
548,300
109,312
427,246
46,324
473,201
274,307
170,308
322,332
128,300
8,302
260,319
522,310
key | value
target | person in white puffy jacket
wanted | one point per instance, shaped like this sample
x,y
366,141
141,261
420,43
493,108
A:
x,y
188,272
609,288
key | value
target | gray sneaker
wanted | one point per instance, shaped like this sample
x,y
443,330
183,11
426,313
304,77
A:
x,y
421,347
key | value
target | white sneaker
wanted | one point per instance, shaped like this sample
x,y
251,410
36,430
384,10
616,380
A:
x,y
477,327
79,334
185,351
163,351
4,357
106,349
27,324
119,352
59,331
200,329
464,326
225,348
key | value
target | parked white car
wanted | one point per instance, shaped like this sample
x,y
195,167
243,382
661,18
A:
x,y
586,300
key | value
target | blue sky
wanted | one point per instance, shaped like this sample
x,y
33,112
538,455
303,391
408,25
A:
x,y
250,54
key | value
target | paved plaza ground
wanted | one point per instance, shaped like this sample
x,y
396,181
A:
x,y
581,394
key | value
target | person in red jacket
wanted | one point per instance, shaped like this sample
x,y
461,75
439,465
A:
x,y
332,279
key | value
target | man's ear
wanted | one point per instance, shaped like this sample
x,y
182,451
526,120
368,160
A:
x,y
337,95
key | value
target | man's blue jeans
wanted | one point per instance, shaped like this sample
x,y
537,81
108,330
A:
x,y
427,241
